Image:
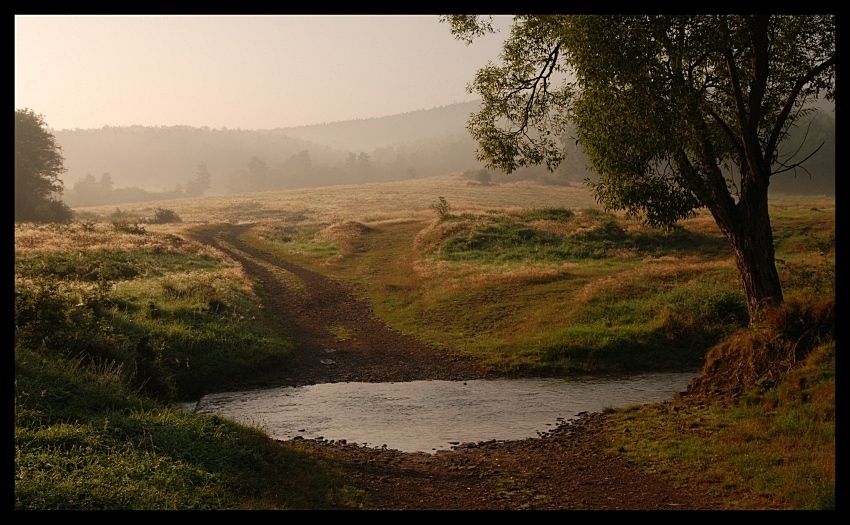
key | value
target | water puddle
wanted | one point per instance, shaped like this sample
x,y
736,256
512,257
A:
x,y
429,416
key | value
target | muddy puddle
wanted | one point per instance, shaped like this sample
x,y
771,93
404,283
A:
x,y
429,416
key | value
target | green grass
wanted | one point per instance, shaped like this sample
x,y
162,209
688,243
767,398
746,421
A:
x,y
180,333
772,449
105,339
544,291
85,441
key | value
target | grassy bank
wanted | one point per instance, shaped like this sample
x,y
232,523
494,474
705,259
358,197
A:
x,y
771,448
112,326
552,290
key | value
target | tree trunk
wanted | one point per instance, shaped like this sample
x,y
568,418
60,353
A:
x,y
746,226
754,256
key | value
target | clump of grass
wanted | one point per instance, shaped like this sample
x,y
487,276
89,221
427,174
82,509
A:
x,y
759,354
125,226
442,208
546,214
341,333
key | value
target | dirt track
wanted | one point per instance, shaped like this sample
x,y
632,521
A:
x,y
566,469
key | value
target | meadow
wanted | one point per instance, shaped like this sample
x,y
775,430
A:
x,y
127,314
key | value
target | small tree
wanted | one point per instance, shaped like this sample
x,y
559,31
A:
x,y
483,176
38,165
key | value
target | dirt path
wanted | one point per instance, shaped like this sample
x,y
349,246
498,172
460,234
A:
x,y
565,469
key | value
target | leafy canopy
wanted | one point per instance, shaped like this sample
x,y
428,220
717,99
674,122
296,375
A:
x,y
674,112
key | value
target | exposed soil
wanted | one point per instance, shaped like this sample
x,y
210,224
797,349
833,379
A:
x,y
567,468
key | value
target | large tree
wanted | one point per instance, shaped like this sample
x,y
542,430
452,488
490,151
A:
x,y
675,113
38,164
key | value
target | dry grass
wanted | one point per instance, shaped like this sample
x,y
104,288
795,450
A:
x,y
410,199
46,238
664,269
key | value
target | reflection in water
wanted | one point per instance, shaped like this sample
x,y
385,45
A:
x,y
434,415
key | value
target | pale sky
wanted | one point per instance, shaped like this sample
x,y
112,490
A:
x,y
248,72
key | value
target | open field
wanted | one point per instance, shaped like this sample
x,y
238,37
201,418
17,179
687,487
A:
x,y
525,291
127,315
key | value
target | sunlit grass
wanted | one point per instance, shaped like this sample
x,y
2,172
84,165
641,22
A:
x,y
363,202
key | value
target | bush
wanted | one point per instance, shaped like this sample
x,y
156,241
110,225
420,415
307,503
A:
x,y
164,216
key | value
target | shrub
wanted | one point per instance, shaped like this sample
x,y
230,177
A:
x,y
164,216
442,208
124,226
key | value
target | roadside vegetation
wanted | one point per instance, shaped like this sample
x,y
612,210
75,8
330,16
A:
x,y
111,328
117,316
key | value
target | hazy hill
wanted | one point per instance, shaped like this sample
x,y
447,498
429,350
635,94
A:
x,y
417,144
406,128
156,158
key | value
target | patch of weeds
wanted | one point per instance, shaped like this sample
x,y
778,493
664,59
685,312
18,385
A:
x,y
124,226
815,278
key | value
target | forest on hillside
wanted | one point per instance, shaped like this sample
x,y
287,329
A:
x,y
114,165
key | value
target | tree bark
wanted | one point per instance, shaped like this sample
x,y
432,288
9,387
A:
x,y
746,226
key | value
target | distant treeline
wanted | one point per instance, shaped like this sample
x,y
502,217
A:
x,y
89,191
140,163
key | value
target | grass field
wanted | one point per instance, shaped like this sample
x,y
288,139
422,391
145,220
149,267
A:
x,y
116,317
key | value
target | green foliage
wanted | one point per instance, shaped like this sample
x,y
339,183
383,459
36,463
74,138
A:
x,y
38,165
645,98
